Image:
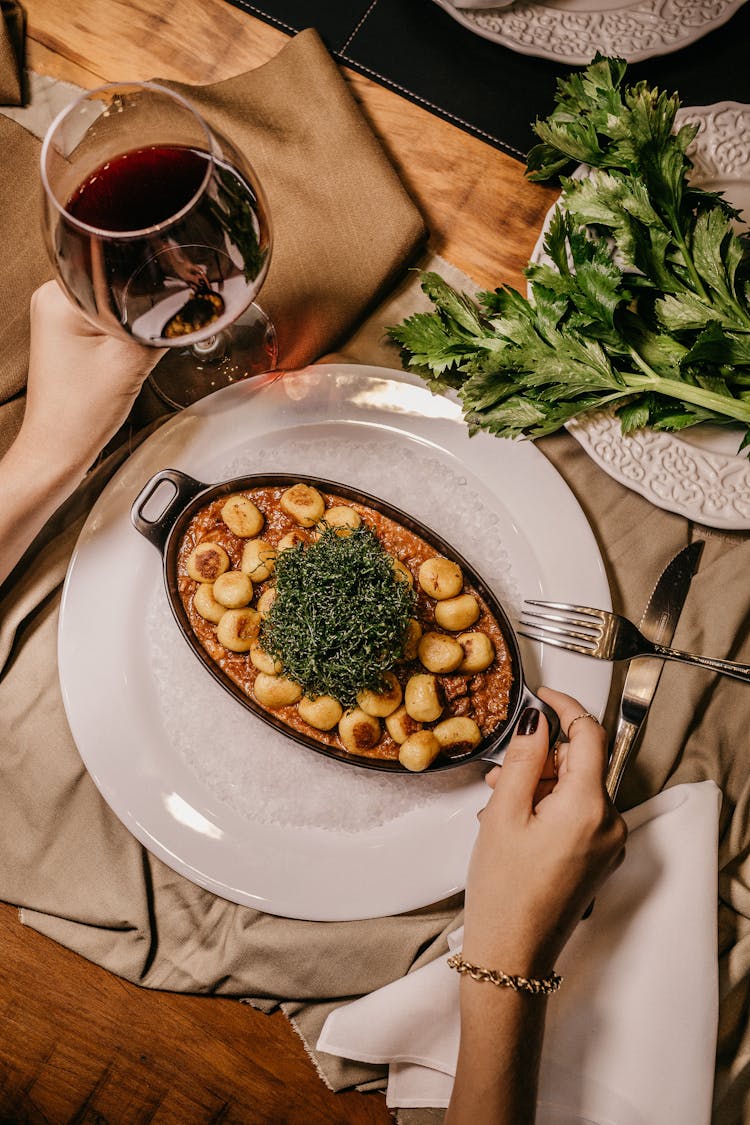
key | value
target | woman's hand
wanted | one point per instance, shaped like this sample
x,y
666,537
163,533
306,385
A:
x,y
82,383
81,386
543,847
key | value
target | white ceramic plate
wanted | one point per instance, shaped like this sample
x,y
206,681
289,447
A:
x,y
214,792
571,31
697,473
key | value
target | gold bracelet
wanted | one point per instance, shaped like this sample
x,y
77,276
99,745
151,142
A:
x,y
542,987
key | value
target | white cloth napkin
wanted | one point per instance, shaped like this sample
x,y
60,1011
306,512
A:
x,y
631,1036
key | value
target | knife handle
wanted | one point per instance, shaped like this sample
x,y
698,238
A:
x,y
625,738
712,663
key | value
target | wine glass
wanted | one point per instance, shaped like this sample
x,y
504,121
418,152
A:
x,y
159,230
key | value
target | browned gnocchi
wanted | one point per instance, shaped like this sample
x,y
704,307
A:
x,y
448,686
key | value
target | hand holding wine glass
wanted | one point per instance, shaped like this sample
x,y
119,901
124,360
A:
x,y
82,383
159,231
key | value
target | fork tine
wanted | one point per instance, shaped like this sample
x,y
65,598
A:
x,y
555,630
583,629
548,640
583,610
573,635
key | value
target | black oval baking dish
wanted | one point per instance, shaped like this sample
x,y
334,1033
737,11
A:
x,y
165,531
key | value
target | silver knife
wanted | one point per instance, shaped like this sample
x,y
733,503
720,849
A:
x,y
658,623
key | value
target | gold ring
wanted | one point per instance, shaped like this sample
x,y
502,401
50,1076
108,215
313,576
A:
x,y
584,715
555,770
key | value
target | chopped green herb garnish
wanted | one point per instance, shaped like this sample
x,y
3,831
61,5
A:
x,y
339,619
645,307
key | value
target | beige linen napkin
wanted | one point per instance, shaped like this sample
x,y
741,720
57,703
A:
x,y
343,224
631,1036
12,30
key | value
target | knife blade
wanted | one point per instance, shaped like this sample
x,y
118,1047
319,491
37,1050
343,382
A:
x,y
658,623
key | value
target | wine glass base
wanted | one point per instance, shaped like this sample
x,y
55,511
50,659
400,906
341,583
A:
x,y
185,375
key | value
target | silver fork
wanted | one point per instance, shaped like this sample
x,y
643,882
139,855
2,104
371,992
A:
x,y
608,636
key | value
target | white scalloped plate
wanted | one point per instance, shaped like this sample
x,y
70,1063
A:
x,y
698,473
571,31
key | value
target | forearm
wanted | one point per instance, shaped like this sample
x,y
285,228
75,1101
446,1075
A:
x,y
32,487
499,1054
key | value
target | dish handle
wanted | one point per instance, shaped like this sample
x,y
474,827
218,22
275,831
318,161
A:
x,y
157,530
528,699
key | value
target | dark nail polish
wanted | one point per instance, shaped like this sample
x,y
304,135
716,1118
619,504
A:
x,y
528,722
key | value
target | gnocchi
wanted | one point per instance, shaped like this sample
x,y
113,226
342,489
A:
x,y
382,703
412,639
242,516
233,589
303,503
457,735
263,660
207,561
419,751
358,731
238,629
440,578
276,691
402,572
266,600
455,614
206,604
323,713
258,560
291,539
344,519
400,724
451,675
439,652
478,652
423,698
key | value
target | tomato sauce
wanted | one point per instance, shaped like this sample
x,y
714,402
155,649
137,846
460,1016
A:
x,y
482,696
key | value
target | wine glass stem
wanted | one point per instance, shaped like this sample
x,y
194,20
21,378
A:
x,y
211,350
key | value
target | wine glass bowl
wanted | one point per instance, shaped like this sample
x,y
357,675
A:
x,y
159,231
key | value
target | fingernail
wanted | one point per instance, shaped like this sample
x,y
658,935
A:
x,y
528,722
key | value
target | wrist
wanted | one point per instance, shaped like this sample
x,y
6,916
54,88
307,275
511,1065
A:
x,y
516,982
52,455
516,954
39,469
33,484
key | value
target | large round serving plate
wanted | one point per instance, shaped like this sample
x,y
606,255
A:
x,y
697,473
572,31
241,809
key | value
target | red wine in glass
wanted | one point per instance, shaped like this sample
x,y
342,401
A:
x,y
167,242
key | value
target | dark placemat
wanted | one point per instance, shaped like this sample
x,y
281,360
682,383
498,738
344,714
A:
x,y
417,49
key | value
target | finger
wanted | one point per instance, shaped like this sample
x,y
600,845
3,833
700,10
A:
x,y
491,777
561,757
549,773
586,751
543,789
523,764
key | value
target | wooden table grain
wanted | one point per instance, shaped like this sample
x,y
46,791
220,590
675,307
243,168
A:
x,y
78,1044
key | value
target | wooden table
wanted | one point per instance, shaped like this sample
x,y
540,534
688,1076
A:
x,y
79,1044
